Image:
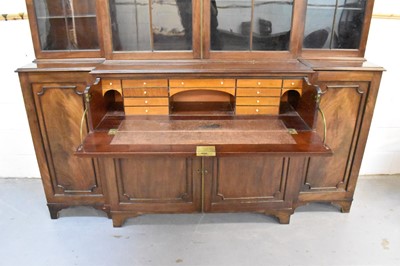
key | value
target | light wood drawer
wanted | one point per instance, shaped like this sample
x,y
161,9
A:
x,y
257,100
174,91
252,92
145,101
292,83
259,110
201,83
259,83
144,83
111,84
143,92
151,110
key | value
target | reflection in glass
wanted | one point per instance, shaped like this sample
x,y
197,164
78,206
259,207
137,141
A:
x,y
246,25
151,25
334,24
67,24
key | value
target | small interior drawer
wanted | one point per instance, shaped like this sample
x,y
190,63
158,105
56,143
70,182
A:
x,y
257,101
201,83
257,110
145,101
177,90
292,83
143,92
254,92
143,110
109,84
259,83
144,83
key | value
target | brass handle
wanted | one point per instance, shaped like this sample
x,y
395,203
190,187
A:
x,y
324,122
87,100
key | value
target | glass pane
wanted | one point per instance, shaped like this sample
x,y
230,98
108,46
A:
x,y
272,24
67,24
318,25
130,20
350,20
245,25
230,25
149,25
172,24
334,24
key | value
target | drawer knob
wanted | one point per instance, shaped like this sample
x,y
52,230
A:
x,y
258,83
146,102
110,83
292,83
258,92
258,101
144,83
145,92
182,83
257,110
222,83
146,110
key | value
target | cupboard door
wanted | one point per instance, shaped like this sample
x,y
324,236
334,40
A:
x,y
343,105
251,183
59,111
158,184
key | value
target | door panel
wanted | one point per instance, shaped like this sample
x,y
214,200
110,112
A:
x,y
171,181
343,106
239,183
59,109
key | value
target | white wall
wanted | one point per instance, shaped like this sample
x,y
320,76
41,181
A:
x,y
17,157
382,155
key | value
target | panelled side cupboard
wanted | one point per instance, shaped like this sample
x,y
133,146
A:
x,y
184,106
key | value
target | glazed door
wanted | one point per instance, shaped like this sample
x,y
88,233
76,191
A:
x,y
59,112
344,105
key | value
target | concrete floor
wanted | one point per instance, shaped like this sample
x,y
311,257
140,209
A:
x,y
317,235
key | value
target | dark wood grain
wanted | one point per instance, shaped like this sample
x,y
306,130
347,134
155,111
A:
x,y
131,178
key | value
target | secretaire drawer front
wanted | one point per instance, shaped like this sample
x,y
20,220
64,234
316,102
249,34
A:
x,y
144,83
257,101
254,92
143,110
257,110
145,92
259,83
201,83
145,101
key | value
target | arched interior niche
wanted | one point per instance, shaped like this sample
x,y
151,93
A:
x,y
289,101
113,100
209,102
